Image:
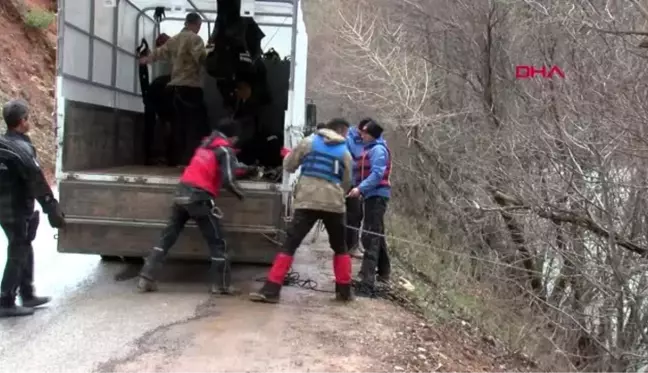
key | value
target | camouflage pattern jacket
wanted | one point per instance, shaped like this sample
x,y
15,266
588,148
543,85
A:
x,y
186,53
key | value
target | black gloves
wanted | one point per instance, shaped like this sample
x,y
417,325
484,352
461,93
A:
x,y
55,215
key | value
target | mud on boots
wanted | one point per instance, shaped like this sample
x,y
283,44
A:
x,y
148,275
326,173
213,165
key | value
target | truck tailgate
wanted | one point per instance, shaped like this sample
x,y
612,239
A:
x,y
125,219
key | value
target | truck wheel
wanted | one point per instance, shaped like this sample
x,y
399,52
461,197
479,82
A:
x,y
123,259
110,258
133,259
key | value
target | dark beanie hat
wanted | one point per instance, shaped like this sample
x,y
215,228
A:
x,y
374,129
363,122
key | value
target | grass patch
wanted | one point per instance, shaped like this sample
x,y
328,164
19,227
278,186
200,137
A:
x,y
445,289
40,19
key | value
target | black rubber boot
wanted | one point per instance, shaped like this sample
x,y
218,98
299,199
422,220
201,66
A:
x,y
367,274
147,281
269,293
8,307
364,290
384,279
343,292
220,275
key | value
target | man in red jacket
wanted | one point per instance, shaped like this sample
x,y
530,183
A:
x,y
213,165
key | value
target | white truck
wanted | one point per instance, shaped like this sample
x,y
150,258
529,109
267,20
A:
x,y
115,205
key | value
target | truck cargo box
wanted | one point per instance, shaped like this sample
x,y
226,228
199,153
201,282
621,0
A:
x,y
115,205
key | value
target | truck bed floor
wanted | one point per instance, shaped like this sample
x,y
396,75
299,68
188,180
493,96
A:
x,y
172,173
137,170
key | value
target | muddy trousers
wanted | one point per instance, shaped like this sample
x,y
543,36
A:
x,y
210,227
353,221
189,124
19,270
373,241
302,222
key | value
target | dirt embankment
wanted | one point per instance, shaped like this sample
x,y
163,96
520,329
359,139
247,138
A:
x,y
27,70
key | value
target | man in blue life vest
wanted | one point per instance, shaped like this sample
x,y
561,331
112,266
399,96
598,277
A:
x,y
354,211
320,194
213,165
372,178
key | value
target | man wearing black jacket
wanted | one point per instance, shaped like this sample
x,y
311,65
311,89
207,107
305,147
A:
x,y
21,182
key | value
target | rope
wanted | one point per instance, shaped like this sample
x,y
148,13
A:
x,y
293,278
413,243
452,252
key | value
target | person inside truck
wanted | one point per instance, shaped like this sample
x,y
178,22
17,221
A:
x,y
212,166
186,52
158,100
325,177
21,182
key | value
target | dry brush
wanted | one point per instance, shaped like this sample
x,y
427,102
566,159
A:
x,y
537,187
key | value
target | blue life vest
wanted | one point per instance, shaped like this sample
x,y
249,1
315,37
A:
x,y
325,161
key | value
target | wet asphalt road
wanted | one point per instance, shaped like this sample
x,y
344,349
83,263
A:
x,y
98,324
94,319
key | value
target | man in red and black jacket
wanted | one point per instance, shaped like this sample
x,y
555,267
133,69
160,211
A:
x,y
213,165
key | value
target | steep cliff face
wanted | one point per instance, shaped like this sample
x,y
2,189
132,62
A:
x,y
27,66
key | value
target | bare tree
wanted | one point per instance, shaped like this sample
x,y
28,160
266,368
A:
x,y
540,183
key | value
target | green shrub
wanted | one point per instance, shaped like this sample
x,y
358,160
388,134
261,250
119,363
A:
x,y
39,18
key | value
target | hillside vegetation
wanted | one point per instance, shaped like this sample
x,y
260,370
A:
x,y
519,204
27,67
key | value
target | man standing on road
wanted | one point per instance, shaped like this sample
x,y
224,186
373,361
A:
x,y
213,164
354,204
325,177
21,182
374,168
186,52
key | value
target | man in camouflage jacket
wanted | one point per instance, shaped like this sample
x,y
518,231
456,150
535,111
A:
x,y
186,52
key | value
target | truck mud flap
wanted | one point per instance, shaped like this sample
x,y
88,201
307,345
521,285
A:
x,y
121,219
